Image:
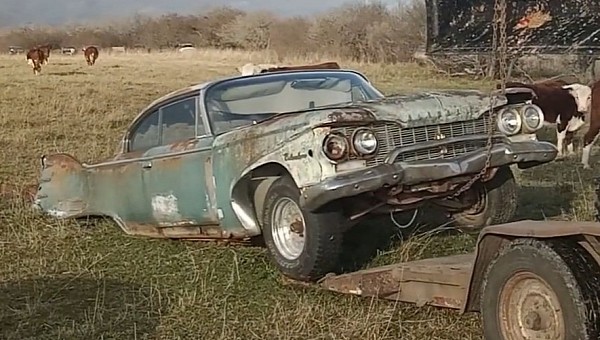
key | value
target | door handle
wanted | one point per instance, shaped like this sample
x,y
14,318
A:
x,y
147,165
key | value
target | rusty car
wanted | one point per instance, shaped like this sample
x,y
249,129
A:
x,y
297,157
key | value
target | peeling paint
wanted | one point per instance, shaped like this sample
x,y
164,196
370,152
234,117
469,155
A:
x,y
164,207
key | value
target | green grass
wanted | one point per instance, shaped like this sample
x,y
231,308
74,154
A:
x,y
62,280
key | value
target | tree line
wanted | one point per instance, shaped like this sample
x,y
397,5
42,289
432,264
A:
x,y
359,32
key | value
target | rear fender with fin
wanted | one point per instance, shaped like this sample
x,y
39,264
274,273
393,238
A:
x,y
63,189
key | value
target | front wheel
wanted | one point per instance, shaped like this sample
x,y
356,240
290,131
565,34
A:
x,y
303,245
492,202
541,290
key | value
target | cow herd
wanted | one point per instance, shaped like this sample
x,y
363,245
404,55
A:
x,y
39,55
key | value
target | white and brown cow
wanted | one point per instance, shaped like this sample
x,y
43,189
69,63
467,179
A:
x,y
35,58
564,105
91,54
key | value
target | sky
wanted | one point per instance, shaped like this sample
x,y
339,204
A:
x,y
53,12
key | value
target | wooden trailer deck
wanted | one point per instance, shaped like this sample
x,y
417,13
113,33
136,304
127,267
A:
x,y
441,282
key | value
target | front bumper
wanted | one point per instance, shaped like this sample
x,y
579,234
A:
x,y
524,154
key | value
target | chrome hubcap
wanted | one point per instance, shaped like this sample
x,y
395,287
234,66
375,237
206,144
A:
x,y
288,228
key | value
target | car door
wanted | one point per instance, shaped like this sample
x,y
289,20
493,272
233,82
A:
x,y
177,174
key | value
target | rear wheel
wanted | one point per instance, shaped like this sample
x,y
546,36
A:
x,y
541,290
492,202
303,245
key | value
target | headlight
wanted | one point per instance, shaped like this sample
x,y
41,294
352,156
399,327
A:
x,y
533,118
335,146
364,141
509,122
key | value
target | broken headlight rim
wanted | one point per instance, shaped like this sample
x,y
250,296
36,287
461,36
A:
x,y
365,142
335,146
509,122
533,118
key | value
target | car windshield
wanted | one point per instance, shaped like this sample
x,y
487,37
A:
x,y
243,101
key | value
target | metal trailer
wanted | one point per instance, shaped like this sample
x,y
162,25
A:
x,y
528,279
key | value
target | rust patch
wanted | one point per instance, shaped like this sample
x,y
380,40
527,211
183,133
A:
x,y
446,302
351,115
184,145
534,18
63,160
184,232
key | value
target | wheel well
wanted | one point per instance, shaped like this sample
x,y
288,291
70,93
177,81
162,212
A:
x,y
250,191
489,248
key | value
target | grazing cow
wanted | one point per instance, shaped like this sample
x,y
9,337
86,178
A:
x,y
591,136
46,49
35,58
249,68
91,54
563,104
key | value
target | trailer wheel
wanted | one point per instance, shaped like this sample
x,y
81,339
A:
x,y
302,245
541,290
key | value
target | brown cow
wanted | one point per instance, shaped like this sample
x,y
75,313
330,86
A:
x,y
563,104
91,54
591,136
46,49
35,58
250,68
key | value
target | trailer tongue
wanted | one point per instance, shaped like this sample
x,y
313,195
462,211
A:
x,y
440,282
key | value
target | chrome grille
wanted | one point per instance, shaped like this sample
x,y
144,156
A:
x,y
392,136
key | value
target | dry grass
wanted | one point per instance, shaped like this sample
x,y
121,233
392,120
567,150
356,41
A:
x,y
63,280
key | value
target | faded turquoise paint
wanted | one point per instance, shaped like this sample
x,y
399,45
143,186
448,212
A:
x,y
117,189
238,150
183,176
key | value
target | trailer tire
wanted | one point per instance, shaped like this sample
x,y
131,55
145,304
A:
x,y
548,288
498,202
312,245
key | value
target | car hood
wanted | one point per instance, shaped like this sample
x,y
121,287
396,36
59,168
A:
x,y
411,109
431,107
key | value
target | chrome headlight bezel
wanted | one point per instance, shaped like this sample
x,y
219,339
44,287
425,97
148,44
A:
x,y
535,110
358,144
500,121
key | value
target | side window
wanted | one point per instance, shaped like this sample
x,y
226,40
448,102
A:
x,y
179,121
146,135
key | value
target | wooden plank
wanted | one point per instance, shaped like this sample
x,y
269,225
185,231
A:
x,y
438,281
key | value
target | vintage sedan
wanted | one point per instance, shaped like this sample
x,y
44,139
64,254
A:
x,y
297,157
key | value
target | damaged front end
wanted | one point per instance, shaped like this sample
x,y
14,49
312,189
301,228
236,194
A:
x,y
413,164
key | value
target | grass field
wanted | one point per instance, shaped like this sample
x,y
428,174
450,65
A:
x,y
60,280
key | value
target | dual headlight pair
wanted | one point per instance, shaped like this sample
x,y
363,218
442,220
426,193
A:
x,y
528,119
363,141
